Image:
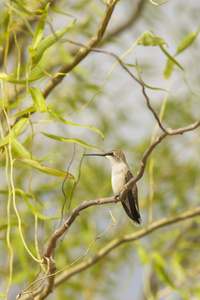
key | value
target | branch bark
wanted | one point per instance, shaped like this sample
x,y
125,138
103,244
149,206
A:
x,y
84,51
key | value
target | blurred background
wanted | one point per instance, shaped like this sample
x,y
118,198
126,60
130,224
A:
x,y
164,264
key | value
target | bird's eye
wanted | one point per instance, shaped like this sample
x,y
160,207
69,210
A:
x,y
111,153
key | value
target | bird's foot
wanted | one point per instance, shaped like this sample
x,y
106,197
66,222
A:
x,y
117,197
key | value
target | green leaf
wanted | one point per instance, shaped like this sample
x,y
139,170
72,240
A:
x,y
38,99
171,58
31,207
148,40
12,224
31,51
10,104
49,41
168,69
40,28
2,295
53,113
10,79
21,150
24,112
63,139
187,41
15,131
147,86
160,264
21,16
45,169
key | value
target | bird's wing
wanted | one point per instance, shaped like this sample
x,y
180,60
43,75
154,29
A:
x,y
133,211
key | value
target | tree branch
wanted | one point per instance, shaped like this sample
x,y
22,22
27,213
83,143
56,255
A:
x,y
129,21
84,51
75,212
126,239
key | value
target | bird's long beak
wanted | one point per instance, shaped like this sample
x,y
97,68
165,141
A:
x,y
104,154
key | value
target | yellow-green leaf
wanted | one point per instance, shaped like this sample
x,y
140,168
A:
x,y
38,100
148,40
21,150
24,112
45,169
168,69
40,27
139,76
63,139
10,79
10,104
187,41
54,114
49,41
15,131
20,15
171,58
30,206
31,51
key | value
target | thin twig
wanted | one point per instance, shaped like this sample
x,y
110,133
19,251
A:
x,y
52,273
65,199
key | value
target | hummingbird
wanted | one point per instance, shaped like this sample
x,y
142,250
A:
x,y
121,174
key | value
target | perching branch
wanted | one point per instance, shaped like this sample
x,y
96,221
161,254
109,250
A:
x,y
75,212
150,149
132,237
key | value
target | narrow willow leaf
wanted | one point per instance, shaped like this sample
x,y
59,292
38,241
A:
x,y
164,276
187,41
31,207
38,99
168,69
49,41
61,12
171,58
54,114
147,86
45,169
25,111
31,51
21,150
11,104
40,27
15,131
148,40
24,153
63,139
20,15
10,79
12,224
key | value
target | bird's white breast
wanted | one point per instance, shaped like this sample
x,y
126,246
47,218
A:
x,y
118,177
